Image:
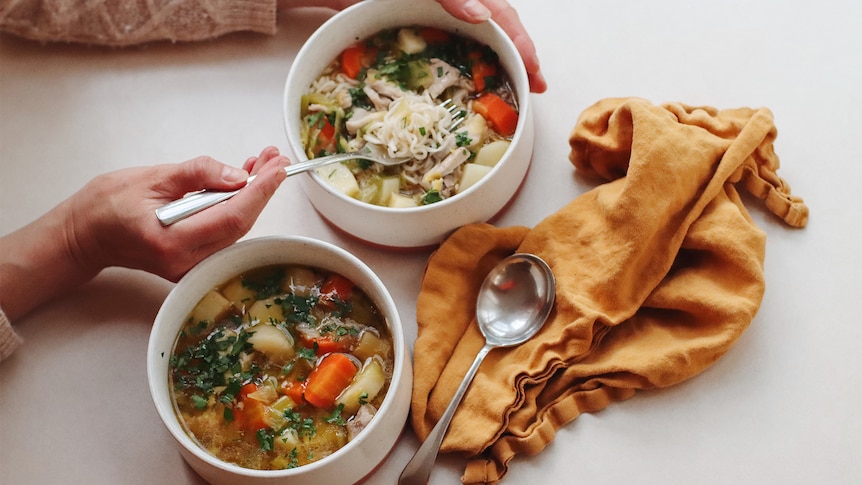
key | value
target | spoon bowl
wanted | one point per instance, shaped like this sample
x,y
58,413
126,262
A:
x,y
514,301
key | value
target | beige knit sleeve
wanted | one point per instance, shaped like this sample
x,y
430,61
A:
x,y
120,23
9,340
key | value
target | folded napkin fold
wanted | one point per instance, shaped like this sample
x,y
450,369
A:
x,y
659,271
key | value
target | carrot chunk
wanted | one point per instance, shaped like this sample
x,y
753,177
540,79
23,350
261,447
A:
x,y
337,287
352,59
502,116
328,379
249,414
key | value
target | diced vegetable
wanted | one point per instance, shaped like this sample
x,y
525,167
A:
x,y
336,287
365,387
240,296
294,390
249,414
369,345
471,174
265,392
401,201
212,307
491,153
340,177
482,72
419,75
388,186
275,412
285,443
352,60
328,379
410,42
299,281
326,344
324,141
265,311
272,341
502,117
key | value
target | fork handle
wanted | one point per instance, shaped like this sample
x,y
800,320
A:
x,y
198,201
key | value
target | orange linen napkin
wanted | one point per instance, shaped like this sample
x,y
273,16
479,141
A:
x,y
659,271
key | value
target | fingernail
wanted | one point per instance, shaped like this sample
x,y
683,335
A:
x,y
234,175
477,10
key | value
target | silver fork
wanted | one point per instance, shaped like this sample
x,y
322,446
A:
x,y
198,201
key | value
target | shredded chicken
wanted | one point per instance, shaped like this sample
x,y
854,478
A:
x,y
360,420
445,76
450,163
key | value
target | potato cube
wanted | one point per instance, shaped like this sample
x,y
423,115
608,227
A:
x,y
365,387
472,173
491,153
272,341
212,307
299,280
340,177
265,311
240,296
401,201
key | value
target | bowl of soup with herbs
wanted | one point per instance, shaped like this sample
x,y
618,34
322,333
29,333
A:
x,y
449,98
281,359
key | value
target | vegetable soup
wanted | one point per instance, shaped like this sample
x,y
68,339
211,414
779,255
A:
x,y
387,91
280,366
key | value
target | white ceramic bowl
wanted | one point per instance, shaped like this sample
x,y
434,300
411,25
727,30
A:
x,y
422,226
360,456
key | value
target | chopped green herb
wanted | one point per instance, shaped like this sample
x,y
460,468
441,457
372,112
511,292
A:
x,y
293,462
335,417
431,197
265,438
306,353
199,402
462,139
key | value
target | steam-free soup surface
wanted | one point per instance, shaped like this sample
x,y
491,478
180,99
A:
x,y
388,91
280,367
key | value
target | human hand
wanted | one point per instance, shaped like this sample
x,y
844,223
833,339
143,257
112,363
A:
x,y
476,11
473,11
112,220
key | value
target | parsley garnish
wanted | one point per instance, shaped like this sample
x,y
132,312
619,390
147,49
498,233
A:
x,y
293,462
431,197
335,417
306,353
302,426
462,139
265,438
297,309
199,402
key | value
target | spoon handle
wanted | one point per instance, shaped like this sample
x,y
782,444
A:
x,y
418,469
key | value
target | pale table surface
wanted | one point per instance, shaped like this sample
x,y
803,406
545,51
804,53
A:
x,y
783,406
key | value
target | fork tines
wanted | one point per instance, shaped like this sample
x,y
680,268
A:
x,y
458,114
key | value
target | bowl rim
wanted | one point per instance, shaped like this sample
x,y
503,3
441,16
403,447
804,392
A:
x,y
488,28
158,381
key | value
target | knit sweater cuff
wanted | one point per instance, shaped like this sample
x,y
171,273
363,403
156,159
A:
x,y
9,340
120,24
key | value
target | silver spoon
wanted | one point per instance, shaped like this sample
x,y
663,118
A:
x,y
513,303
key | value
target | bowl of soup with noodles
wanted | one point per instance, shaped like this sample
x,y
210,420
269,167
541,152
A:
x,y
281,360
452,98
